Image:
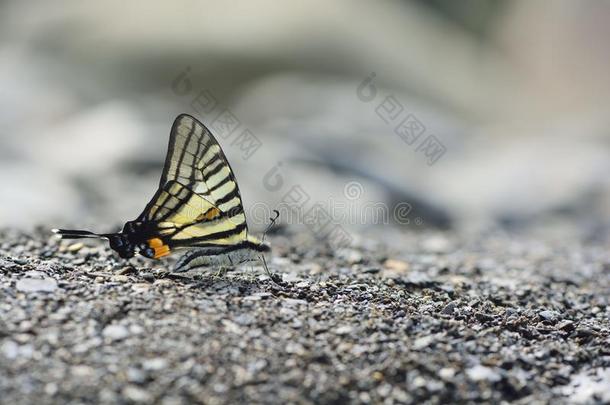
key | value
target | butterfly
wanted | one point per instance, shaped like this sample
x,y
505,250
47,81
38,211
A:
x,y
197,207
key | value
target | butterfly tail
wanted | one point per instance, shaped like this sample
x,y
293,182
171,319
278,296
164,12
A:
x,y
76,234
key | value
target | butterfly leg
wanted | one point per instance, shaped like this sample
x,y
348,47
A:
x,y
275,279
249,276
222,272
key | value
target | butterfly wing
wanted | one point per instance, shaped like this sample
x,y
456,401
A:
x,y
195,160
198,202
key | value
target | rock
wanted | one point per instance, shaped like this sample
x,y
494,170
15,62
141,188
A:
x,y
115,332
584,331
136,375
397,266
483,373
377,376
290,277
292,302
295,348
232,327
244,319
50,389
75,247
163,283
135,329
371,270
82,371
436,244
550,316
315,268
351,256
119,278
446,373
154,364
400,396
422,342
10,349
136,394
127,270
344,330
36,285
449,308
140,287
566,325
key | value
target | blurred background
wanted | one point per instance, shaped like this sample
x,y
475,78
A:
x,y
472,114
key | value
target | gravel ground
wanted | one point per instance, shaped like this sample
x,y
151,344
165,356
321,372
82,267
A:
x,y
446,319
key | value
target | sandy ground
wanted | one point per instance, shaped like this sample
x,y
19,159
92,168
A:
x,y
445,319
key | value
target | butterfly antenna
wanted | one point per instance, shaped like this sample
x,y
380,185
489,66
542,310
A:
x,y
76,234
267,268
273,219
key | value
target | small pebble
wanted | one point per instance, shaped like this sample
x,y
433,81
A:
x,y
140,287
481,373
75,247
120,278
127,270
344,330
36,285
136,394
115,332
549,315
398,266
154,364
449,308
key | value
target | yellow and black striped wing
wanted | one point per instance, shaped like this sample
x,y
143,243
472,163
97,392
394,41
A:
x,y
198,202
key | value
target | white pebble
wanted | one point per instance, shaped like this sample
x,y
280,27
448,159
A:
x,y
36,285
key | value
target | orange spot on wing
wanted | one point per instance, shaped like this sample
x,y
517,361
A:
x,y
155,243
161,251
159,247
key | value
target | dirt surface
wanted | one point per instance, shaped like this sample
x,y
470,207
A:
x,y
445,319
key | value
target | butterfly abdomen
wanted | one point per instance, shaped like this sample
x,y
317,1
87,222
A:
x,y
256,245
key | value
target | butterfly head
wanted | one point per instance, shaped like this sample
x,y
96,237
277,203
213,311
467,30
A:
x,y
140,236
121,244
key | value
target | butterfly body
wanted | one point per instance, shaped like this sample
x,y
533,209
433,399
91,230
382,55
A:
x,y
197,206
140,236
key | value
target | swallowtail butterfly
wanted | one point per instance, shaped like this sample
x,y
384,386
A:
x,y
197,206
